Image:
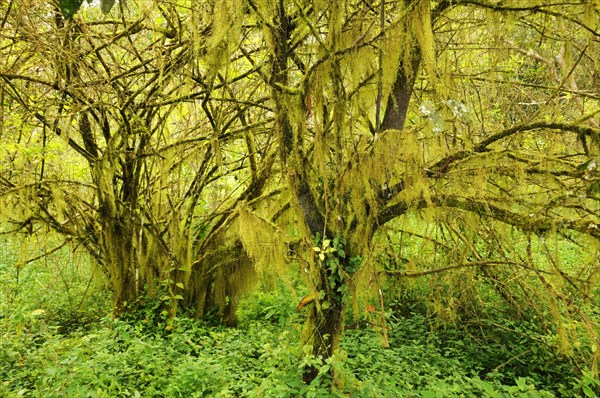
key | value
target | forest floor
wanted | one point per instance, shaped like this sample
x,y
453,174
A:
x,y
58,339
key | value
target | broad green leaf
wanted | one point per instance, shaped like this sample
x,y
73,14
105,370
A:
x,y
584,165
70,7
588,391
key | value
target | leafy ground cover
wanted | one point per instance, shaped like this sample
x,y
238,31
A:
x,y
258,359
59,340
261,357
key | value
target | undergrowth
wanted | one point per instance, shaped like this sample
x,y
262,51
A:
x,y
262,358
59,344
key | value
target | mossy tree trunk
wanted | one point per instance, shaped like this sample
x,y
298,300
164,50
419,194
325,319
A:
x,y
330,276
324,324
336,197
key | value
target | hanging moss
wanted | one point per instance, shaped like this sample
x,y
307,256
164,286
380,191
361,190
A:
x,y
264,243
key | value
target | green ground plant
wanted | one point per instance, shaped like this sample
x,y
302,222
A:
x,y
41,356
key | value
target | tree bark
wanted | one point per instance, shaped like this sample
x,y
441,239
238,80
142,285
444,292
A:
x,y
324,325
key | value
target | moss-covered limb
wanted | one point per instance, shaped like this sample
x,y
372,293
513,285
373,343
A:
x,y
53,85
444,164
59,132
395,210
399,98
580,130
525,222
547,9
561,89
489,263
294,163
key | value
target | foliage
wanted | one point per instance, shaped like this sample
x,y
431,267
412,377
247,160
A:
x,y
58,288
140,356
273,304
119,358
117,165
441,151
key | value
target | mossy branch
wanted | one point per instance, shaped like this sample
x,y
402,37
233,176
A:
x,y
443,165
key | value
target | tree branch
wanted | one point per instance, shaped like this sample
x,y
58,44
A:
x,y
442,165
538,8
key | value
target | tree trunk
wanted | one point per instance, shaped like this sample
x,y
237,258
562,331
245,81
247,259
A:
x,y
119,266
324,327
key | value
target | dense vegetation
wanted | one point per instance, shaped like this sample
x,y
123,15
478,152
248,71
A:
x,y
300,198
59,340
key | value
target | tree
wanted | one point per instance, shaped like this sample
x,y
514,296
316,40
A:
x,y
476,116
342,77
127,139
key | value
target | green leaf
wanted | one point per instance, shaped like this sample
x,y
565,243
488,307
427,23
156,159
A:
x,y
336,242
355,261
317,239
488,388
106,5
588,391
70,7
584,165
